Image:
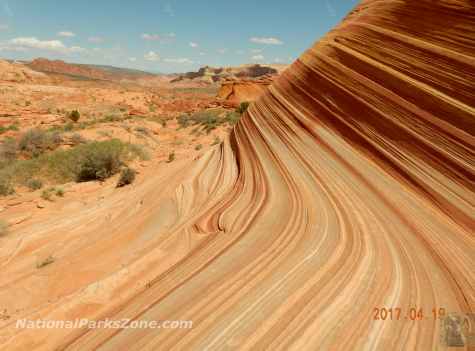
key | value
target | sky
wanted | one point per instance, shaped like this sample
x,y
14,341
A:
x,y
165,35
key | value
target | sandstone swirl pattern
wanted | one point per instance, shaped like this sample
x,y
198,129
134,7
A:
x,y
348,186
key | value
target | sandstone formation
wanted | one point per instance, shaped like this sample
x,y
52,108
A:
x,y
235,91
88,71
347,187
61,67
212,75
18,73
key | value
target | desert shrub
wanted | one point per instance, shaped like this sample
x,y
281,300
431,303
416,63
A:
x,y
36,141
59,192
3,228
100,162
233,117
68,127
216,141
183,121
8,150
34,184
47,194
198,147
77,139
6,187
4,129
127,176
95,160
74,116
171,157
243,106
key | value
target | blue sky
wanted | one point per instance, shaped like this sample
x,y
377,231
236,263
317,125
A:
x,y
165,35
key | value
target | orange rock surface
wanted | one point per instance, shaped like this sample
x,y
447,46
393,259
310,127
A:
x,y
233,92
348,186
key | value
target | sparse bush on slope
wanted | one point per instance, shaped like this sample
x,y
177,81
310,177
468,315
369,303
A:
x,y
127,176
91,161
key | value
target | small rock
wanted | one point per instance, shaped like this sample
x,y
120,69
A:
x,y
40,205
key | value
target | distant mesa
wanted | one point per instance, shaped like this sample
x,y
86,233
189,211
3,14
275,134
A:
x,y
236,84
212,75
85,71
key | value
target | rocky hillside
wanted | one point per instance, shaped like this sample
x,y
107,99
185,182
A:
x,y
234,91
212,75
19,73
87,71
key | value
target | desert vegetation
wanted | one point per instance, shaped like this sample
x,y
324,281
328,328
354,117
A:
x,y
36,158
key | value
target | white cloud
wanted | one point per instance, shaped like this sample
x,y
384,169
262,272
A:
x,y
132,59
194,45
152,56
154,37
278,60
25,43
222,51
202,53
258,58
95,39
184,61
256,51
66,34
266,41
165,38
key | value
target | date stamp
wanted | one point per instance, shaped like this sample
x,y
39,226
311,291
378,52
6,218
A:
x,y
409,314
458,330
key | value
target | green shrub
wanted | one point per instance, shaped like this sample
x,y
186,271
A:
x,y
95,160
6,187
216,141
47,195
243,106
34,184
8,150
36,141
59,192
233,117
77,139
68,127
4,129
100,162
127,176
183,121
74,116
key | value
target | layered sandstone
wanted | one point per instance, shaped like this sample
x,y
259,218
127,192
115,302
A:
x,y
347,187
235,91
19,73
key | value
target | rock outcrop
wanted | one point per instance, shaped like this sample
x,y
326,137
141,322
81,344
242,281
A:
x,y
212,75
235,91
61,67
19,73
